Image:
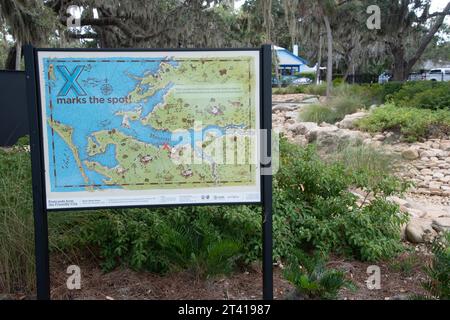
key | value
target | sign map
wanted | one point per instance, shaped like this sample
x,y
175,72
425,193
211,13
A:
x,y
149,128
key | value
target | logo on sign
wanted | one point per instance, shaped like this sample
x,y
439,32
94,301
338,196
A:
x,y
71,83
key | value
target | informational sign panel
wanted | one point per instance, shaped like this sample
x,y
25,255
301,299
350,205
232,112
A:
x,y
142,128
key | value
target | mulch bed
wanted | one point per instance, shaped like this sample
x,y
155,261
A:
x,y
124,283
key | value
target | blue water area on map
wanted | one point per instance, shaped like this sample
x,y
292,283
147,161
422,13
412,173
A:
x,y
107,158
65,161
114,78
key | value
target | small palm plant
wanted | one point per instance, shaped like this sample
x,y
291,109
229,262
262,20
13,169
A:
x,y
312,279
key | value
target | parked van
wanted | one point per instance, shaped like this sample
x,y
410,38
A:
x,y
442,74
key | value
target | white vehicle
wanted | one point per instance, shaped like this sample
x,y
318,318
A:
x,y
442,74
384,77
301,81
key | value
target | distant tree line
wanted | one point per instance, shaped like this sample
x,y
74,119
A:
x,y
325,30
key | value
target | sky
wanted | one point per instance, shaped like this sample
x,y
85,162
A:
x,y
438,4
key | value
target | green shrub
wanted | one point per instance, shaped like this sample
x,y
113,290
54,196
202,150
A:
x,y
374,93
366,94
392,87
338,81
314,209
289,90
319,90
312,279
423,94
412,123
436,98
205,240
438,285
316,89
23,141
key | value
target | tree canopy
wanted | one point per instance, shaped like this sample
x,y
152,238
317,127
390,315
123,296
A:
x,y
409,32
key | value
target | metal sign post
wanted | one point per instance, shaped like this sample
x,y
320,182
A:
x,y
39,210
267,178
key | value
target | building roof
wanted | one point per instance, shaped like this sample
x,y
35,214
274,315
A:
x,y
287,58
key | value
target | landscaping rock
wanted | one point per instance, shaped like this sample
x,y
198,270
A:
x,y
310,100
291,115
410,154
445,145
379,137
441,224
313,134
419,230
349,120
331,137
300,140
284,107
303,127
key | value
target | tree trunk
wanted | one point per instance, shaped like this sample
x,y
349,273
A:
x,y
329,56
319,58
399,72
18,54
276,65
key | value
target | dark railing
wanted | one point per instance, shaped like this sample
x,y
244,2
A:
x,y
13,107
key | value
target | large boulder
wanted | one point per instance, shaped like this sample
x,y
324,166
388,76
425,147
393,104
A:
x,y
349,121
331,137
419,230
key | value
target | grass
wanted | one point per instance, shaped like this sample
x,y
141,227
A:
x,y
17,265
16,223
318,113
412,123
358,158
362,157
406,265
333,110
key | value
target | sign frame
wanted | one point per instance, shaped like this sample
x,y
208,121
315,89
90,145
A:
x,y
40,210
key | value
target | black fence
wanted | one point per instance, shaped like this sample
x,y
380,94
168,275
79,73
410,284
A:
x,y
362,78
357,78
13,107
